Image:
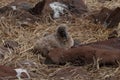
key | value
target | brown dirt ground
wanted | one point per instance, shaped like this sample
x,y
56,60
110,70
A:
x,y
83,30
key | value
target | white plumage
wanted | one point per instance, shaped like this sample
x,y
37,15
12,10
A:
x,y
58,8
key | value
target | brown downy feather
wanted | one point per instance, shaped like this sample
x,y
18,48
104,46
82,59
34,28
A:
x,y
59,39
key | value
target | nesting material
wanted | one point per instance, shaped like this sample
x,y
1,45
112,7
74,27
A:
x,y
60,39
10,44
3,52
8,48
67,72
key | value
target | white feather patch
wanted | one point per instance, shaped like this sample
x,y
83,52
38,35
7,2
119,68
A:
x,y
14,7
57,8
20,71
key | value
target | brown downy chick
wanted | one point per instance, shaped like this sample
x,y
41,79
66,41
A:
x,y
59,39
63,37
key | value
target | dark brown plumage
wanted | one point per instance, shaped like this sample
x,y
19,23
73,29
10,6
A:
x,y
107,51
83,55
37,9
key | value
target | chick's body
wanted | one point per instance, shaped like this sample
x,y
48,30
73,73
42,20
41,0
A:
x,y
59,39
